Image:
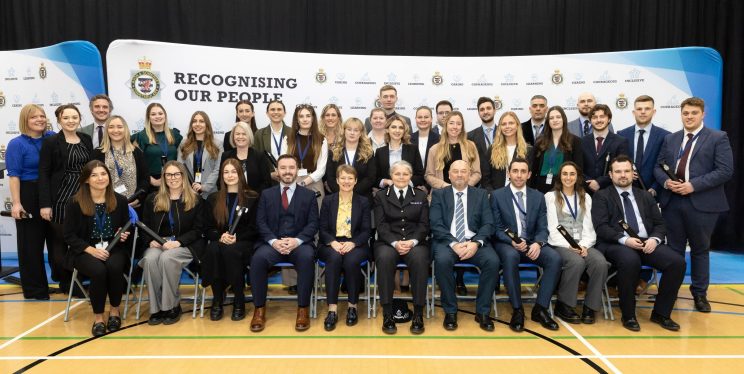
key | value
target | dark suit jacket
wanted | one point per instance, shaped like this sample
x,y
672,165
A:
x,y
442,212
262,140
258,172
711,165
245,230
366,174
143,175
433,138
360,219
410,154
396,221
503,216
52,163
536,159
478,137
304,205
190,225
596,166
607,211
529,137
493,178
650,153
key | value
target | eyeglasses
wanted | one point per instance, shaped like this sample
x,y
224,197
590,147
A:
x,y
173,175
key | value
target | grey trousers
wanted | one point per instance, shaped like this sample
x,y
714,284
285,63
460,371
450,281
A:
x,y
573,268
162,271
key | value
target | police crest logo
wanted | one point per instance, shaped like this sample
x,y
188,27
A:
x,y
2,152
557,77
378,104
437,79
42,71
321,76
497,103
8,204
621,102
144,83
2,99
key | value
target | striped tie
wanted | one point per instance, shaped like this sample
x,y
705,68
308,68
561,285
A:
x,y
522,216
460,219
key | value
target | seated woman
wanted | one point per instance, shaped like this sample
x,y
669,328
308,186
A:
x,y
228,253
92,219
402,217
570,206
175,213
344,237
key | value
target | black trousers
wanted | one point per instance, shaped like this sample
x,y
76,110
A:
x,y
418,262
350,264
628,262
31,235
106,277
57,251
226,265
303,259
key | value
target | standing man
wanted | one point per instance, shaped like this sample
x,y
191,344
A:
x,y
627,253
100,107
443,109
484,134
702,162
287,219
522,210
582,126
388,98
533,127
461,226
645,142
600,147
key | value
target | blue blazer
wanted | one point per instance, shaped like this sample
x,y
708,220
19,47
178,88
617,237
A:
x,y
441,214
304,205
433,139
502,206
650,153
711,165
596,166
360,219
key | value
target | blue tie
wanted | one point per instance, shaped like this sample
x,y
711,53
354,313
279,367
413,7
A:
x,y
587,128
522,216
630,214
460,219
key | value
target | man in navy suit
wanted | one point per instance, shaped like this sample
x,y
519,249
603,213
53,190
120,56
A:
x,y
645,142
702,162
600,147
287,220
522,211
461,226
533,127
483,135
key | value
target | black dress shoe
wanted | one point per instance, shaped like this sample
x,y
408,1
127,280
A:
x,y
216,313
517,320
113,323
388,324
701,303
351,317
541,316
405,288
99,329
450,321
566,313
172,316
664,322
631,324
461,289
587,316
238,313
484,321
292,290
417,324
156,318
330,321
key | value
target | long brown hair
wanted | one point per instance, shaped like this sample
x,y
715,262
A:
x,y
83,197
546,139
578,186
220,210
162,198
254,128
467,148
190,144
317,138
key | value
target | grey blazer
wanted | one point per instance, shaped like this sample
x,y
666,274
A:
x,y
577,128
210,169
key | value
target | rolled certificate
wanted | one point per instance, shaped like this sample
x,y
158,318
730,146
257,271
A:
x,y
668,171
514,237
571,241
152,234
117,237
240,210
629,230
640,179
271,158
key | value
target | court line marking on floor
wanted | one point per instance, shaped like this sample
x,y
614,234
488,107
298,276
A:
x,y
50,319
591,347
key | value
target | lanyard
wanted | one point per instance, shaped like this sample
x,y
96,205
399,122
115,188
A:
x,y
119,169
303,152
682,149
573,212
100,220
517,205
198,158
164,146
348,160
171,220
278,144
232,211
551,158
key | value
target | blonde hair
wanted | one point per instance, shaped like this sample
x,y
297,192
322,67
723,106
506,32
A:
x,y
248,133
106,142
364,149
406,139
162,198
321,121
148,126
467,148
27,111
499,156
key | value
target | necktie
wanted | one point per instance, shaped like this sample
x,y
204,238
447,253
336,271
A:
x,y
285,199
587,128
400,197
639,148
599,144
683,161
460,219
489,136
522,211
630,214
538,130
100,135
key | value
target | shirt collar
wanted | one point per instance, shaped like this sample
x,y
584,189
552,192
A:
x,y
532,121
484,126
696,131
647,128
455,191
628,189
292,186
604,133
514,190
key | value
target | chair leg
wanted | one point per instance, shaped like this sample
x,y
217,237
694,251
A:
x,y
433,290
367,286
69,294
129,276
203,300
196,296
374,295
139,299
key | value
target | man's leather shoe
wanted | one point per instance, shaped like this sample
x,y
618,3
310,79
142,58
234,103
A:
x,y
388,324
172,316
216,313
329,324
517,320
302,322
292,290
484,321
566,313
664,322
113,323
701,303
98,329
631,324
351,317
450,321
541,316
258,322
156,318
461,289
417,324
587,316
238,313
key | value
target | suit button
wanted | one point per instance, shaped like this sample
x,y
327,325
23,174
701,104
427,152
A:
x,y
401,211
403,229
403,219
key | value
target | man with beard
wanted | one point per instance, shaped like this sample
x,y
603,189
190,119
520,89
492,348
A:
x,y
483,135
533,127
601,146
582,126
100,107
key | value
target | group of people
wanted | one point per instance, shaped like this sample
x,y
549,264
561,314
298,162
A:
x,y
574,198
